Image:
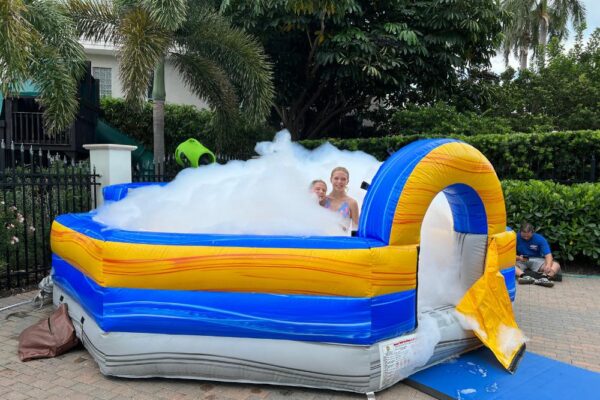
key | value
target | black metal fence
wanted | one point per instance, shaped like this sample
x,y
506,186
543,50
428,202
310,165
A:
x,y
35,187
28,128
168,169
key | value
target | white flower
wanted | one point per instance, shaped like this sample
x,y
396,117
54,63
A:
x,y
20,218
14,240
10,226
32,228
13,208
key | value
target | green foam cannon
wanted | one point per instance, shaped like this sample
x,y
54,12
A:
x,y
192,153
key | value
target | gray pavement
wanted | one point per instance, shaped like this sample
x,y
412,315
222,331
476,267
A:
x,y
562,323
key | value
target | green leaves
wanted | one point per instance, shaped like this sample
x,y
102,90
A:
x,y
169,14
533,23
565,156
16,35
409,37
95,20
142,44
181,123
38,43
239,57
221,64
336,58
566,215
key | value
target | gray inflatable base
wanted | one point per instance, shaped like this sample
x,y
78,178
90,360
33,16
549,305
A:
x,y
265,361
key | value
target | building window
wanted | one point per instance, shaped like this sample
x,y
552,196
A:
x,y
105,80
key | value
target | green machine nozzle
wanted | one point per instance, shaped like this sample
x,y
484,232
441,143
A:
x,y
192,153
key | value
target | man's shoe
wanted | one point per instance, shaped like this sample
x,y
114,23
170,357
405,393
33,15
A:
x,y
544,281
556,278
526,280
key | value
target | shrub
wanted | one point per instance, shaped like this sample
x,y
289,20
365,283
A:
x,y
442,119
29,201
560,156
568,216
181,123
14,229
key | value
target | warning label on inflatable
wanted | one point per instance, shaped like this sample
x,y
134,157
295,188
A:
x,y
395,358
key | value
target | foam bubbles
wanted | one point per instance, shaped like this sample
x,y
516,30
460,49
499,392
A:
x,y
268,195
439,266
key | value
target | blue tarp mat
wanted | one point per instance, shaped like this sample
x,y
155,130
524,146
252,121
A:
x,y
477,375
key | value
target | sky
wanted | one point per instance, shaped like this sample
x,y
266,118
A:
x,y
593,22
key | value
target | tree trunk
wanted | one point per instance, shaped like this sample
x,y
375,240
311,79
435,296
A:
x,y
543,38
158,112
523,54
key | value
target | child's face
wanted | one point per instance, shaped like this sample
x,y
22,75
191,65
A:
x,y
320,189
339,180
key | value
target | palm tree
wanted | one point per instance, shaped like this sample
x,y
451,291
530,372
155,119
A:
x,y
533,21
39,43
518,33
220,64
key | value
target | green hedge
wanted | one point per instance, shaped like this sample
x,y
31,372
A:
x,y
181,123
568,216
444,119
560,156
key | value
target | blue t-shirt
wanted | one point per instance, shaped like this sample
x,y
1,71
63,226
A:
x,y
537,246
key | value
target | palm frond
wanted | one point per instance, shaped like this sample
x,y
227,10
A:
x,y
209,82
16,35
569,9
141,44
169,14
96,20
57,86
58,31
241,57
39,44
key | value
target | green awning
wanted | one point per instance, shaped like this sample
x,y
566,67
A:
x,y
28,89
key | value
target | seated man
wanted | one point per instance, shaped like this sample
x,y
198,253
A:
x,y
533,253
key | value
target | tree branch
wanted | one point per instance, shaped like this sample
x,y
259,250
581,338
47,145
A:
x,y
326,120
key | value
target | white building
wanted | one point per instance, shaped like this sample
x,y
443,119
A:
x,y
105,68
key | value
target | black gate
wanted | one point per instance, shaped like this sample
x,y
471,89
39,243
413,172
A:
x,y
35,187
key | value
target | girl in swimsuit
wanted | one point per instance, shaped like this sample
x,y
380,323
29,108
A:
x,y
338,200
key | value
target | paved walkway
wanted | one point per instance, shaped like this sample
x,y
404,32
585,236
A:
x,y
562,323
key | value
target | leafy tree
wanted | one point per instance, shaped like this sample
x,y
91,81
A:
x,y
38,43
221,64
563,95
442,119
534,22
338,58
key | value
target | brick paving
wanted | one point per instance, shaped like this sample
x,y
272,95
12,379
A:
x,y
561,323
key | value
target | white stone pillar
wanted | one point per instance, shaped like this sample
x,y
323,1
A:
x,y
112,162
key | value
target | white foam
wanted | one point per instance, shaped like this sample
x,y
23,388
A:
x,y
268,195
439,266
511,339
